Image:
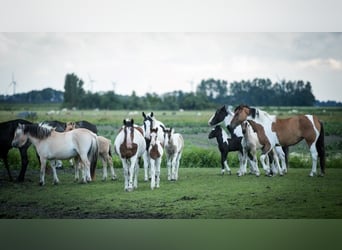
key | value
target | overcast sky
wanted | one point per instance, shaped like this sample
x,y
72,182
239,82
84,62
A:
x,y
161,46
163,62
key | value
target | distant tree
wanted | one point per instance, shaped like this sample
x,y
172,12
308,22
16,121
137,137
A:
x,y
73,91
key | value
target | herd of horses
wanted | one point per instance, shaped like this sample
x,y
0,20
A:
x,y
250,129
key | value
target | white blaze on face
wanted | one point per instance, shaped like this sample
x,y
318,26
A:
x,y
129,141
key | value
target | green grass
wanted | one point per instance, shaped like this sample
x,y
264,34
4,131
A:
x,y
200,193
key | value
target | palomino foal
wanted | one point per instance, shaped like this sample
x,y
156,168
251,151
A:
x,y
130,145
287,132
173,145
105,153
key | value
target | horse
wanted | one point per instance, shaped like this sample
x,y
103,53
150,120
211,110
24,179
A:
x,y
130,145
62,126
225,114
6,137
52,145
288,131
251,132
227,145
149,123
173,146
155,152
105,153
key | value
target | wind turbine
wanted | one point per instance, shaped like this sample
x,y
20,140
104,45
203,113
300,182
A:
x,y
91,83
114,85
14,83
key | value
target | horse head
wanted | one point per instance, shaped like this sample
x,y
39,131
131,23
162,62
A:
x,y
215,132
240,115
70,126
20,138
219,116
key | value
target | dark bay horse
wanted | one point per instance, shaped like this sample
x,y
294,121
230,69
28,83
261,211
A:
x,y
287,132
7,130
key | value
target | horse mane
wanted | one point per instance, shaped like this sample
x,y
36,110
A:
x,y
37,130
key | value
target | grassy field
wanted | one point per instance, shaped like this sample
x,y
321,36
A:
x,y
200,193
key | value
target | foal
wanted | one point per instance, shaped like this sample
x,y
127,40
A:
x,y
255,139
155,152
105,153
227,145
173,145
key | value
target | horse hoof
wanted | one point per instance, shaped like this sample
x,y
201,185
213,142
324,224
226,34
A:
x,y
41,184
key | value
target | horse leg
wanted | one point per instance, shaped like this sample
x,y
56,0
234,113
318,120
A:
x,y
265,164
276,162
314,156
177,164
7,168
224,163
168,164
77,167
104,168
42,171
54,172
158,162
110,163
153,173
24,163
126,173
146,165
131,171
173,168
281,155
136,173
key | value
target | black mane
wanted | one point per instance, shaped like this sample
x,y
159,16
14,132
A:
x,y
37,131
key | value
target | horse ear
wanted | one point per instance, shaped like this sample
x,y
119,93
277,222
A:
x,y
124,121
143,114
252,112
132,121
151,114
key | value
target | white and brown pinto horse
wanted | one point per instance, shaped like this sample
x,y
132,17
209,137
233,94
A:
x,y
51,145
287,132
105,153
150,122
173,146
254,136
130,145
155,152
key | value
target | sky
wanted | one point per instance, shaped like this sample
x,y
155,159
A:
x,y
162,62
158,46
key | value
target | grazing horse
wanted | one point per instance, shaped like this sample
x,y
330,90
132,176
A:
x,y
173,145
227,145
155,152
130,145
151,122
105,153
253,143
52,145
225,114
6,137
287,132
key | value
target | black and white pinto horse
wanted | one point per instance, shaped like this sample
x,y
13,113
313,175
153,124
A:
x,y
150,122
226,145
6,136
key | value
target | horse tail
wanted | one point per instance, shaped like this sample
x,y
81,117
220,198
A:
x,y
321,148
92,156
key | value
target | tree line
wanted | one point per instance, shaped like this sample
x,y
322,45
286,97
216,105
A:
x,y
209,94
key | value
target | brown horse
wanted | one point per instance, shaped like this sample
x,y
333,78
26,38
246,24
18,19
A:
x,y
287,132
